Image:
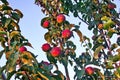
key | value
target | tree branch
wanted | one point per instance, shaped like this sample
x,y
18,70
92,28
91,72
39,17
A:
x,y
67,73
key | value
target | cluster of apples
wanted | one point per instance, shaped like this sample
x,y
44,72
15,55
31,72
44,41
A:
x,y
55,51
65,34
59,19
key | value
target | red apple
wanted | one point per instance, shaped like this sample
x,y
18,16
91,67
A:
x,y
89,70
60,18
46,47
46,24
56,51
22,49
66,33
111,6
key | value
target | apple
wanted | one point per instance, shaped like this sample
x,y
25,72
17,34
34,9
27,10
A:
x,y
46,24
56,51
46,47
60,18
22,49
111,6
100,26
89,70
66,33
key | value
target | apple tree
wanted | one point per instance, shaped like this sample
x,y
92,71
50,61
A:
x,y
100,17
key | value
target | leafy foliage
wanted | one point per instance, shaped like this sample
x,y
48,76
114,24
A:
x,y
100,17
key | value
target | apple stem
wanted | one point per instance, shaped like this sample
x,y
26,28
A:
x,y
67,73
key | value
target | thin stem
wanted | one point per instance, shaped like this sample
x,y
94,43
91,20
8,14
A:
x,y
67,73
105,40
82,20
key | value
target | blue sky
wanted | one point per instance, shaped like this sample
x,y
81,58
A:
x,y
31,29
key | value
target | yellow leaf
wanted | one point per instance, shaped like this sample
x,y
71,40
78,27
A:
x,y
7,54
14,33
14,24
118,50
79,33
26,57
28,54
104,18
97,51
101,75
117,74
43,76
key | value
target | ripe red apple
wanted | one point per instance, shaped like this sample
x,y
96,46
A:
x,y
111,6
46,47
46,24
22,49
66,33
89,70
56,51
60,18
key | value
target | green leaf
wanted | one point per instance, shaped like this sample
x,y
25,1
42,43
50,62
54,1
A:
x,y
27,68
71,62
19,12
6,8
9,75
80,73
111,32
95,31
47,37
2,69
51,58
116,58
16,16
5,2
90,45
11,63
7,22
64,61
75,13
59,76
